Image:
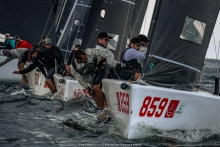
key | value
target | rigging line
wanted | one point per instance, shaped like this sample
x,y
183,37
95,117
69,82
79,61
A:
x,y
67,22
70,32
124,29
168,67
47,20
215,52
61,12
175,62
54,22
82,20
137,17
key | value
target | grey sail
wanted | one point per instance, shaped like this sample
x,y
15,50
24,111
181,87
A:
x,y
71,23
139,11
27,18
180,42
113,17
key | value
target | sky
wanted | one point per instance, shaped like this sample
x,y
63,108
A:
x,y
214,44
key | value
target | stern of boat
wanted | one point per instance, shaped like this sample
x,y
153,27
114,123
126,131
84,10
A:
x,y
69,90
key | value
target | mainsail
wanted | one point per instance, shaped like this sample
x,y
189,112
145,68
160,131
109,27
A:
x,y
113,17
27,18
139,12
180,42
71,23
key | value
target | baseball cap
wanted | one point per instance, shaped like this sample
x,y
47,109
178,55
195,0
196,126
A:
x,y
104,35
47,41
143,38
7,34
135,40
16,37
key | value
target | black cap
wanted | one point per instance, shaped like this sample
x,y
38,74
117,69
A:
x,y
143,38
135,40
77,46
104,35
16,37
61,69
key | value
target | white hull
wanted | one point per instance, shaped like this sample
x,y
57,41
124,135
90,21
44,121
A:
x,y
36,81
70,91
7,69
138,107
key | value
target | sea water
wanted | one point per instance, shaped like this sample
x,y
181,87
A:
x,y
28,120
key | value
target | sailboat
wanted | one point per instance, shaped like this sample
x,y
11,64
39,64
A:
x,y
28,21
70,30
168,97
101,18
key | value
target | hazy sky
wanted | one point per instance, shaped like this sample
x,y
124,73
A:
x,y
212,50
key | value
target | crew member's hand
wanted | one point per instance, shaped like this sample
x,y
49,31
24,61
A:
x,y
91,92
16,72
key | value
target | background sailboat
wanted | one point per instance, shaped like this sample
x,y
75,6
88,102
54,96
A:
x,y
28,20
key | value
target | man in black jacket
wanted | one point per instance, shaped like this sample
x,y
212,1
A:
x,y
49,45
71,56
43,59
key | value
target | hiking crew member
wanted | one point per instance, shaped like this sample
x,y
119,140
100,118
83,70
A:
x,y
49,45
21,43
9,42
88,68
103,40
43,59
22,55
72,54
132,69
144,41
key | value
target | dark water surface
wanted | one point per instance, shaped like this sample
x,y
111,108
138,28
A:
x,y
27,120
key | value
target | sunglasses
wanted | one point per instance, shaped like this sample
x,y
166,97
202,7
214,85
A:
x,y
143,44
106,39
138,44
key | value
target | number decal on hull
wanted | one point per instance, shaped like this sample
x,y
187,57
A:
x,y
123,102
154,107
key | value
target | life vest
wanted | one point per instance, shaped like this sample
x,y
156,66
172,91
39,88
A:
x,y
131,64
8,45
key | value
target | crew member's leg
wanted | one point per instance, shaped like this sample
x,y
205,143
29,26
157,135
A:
x,y
21,67
49,80
99,97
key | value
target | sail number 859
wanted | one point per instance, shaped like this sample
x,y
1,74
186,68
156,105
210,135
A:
x,y
155,110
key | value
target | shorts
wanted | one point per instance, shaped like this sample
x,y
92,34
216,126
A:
x,y
50,73
99,75
24,58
